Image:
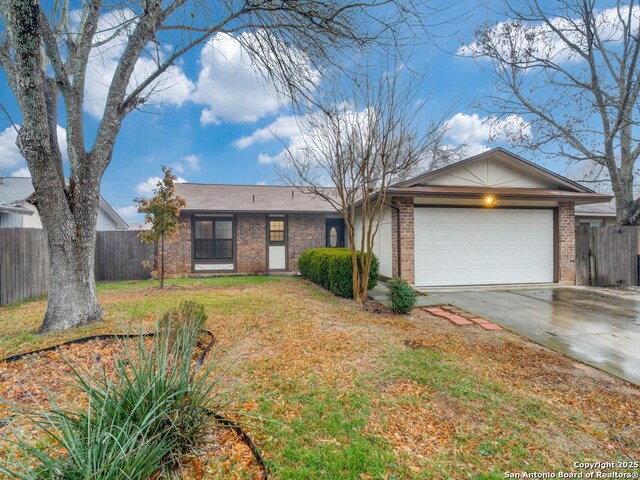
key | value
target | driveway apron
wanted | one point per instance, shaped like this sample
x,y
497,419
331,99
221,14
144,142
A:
x,y
596,328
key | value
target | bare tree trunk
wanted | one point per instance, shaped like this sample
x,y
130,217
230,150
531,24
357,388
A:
x,y
72,287
71,241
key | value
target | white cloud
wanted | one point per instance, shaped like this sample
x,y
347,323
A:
x,y
262,182
189,163
129,212
147,187
192,162
264,158
22,172
231,85
288,130
299,133
10,156
286,126
172,87
474,131
541,41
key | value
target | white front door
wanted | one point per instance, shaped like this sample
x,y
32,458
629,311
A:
x,y
277,243
483,246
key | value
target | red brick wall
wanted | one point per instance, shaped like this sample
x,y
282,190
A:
x,y
403,212
566,243
305,232
177,250
251,234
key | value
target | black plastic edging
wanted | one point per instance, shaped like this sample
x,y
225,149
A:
x,y
222,420
106,336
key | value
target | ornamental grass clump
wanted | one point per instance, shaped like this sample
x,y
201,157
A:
x,y
139,422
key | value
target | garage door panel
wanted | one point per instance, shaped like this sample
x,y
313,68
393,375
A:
x,y
465,246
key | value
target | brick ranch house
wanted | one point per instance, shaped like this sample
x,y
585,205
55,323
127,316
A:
x,y
494,218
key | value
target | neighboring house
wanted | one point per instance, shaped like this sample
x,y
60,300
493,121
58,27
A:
x,y
16,212
491,219
139,226
597,215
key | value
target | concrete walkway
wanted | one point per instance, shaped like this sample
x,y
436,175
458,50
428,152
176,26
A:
x,y
598,329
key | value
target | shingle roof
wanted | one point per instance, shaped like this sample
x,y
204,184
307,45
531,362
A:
x,y
14,189
598,209
250,198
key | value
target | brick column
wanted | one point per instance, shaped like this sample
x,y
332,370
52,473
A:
x,y
402,212
566,243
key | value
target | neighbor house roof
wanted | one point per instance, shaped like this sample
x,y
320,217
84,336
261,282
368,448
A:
x,y
597,209
15,190
250,198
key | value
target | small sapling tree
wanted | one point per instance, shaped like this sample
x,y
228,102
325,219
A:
x,y
161,212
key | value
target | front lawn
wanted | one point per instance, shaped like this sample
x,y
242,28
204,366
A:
x,y
336,392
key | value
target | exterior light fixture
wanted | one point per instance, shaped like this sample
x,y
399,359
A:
x,y
489,200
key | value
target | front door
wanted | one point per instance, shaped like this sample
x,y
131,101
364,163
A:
x,y
334,232
277,243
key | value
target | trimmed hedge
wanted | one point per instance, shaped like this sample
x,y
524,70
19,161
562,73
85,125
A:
x,y
331,268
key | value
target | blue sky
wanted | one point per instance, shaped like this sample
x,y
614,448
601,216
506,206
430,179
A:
x,y
214,122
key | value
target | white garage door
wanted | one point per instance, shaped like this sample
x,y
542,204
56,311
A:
x,y
481,246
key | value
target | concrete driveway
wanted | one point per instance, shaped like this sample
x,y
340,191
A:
x,y
600,329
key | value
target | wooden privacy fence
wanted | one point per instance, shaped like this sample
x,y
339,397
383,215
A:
x,y
122,256
24,262
607,256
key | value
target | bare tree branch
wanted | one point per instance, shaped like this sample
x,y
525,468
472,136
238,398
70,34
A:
x,y
572,72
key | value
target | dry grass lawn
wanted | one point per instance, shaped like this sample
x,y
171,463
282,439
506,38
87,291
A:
x,y
334,391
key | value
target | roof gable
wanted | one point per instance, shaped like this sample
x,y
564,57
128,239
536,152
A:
x,y
496,168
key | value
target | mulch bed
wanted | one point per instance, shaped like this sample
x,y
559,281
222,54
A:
x,y
34,379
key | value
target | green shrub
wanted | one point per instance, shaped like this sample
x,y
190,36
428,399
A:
x,y
403,297
332,269
144,420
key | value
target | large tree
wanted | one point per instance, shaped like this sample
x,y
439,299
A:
x,y
356,147
45,56
570,68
